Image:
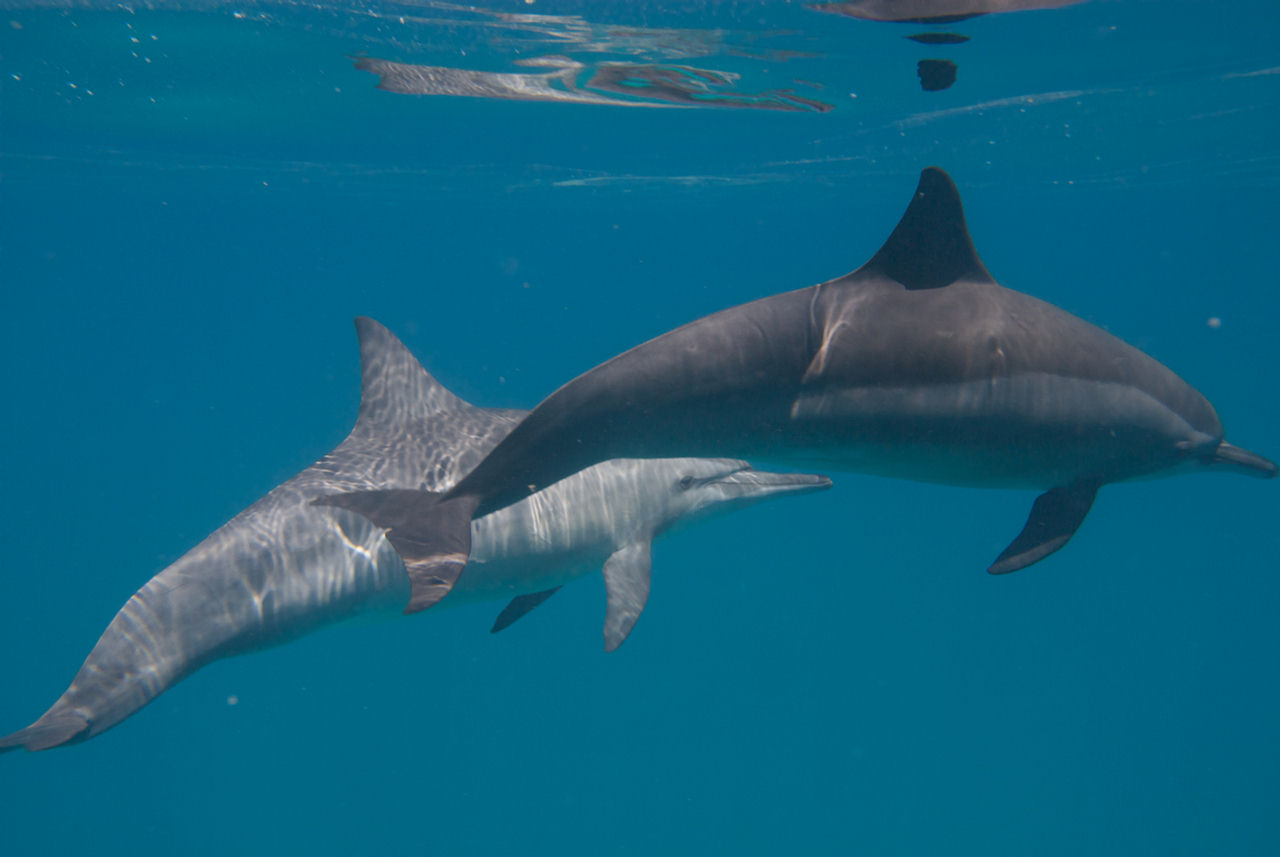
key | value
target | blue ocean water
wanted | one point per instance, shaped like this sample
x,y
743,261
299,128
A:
x,y
196,199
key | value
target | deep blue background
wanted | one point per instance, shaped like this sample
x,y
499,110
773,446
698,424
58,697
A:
x,y
830,674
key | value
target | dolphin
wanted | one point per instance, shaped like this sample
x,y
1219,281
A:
x,y
640,84
284,567
932,11
916,365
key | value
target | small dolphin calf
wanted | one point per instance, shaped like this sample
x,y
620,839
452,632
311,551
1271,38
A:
x,y
916,365
284,567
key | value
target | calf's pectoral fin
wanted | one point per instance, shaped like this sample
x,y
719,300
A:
x,y
519,606
626,585
432,536
1054,519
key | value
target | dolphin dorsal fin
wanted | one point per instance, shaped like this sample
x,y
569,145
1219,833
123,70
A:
x,y
930,247
394,388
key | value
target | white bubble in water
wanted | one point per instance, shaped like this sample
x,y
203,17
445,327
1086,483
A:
x,y
1214,322
233,700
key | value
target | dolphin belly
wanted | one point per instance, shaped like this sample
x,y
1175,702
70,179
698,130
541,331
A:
x,y
1032,430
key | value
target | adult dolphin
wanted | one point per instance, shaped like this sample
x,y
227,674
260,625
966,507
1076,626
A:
x,y
932,11
284,567
916,365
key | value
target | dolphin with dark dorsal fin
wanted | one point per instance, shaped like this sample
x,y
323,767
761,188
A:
x,y
916,365
285,567
932,11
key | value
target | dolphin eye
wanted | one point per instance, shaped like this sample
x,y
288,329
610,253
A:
x,y
686,482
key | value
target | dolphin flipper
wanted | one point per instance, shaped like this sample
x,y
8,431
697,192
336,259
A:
x,y
1054,519
626,584
432,536
519,606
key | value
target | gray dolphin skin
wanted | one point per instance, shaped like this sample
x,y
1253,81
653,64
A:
x,y
917,365
285,567
933,11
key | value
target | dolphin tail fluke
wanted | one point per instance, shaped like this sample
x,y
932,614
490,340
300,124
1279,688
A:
x,y
1054,519
432,535
52,730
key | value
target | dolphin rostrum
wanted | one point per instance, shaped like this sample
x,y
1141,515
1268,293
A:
x,y
285,567
917,365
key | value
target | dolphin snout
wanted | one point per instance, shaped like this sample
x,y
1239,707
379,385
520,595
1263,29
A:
x,y
753,481
1243,461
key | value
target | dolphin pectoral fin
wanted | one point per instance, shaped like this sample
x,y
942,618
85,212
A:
x,y
432,536
519,606
626,584
1054,519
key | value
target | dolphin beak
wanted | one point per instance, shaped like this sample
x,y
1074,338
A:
x,y
1243,461
763,483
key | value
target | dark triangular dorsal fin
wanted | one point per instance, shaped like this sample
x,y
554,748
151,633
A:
x,y
394,388
930,247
